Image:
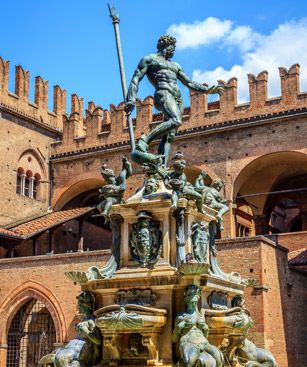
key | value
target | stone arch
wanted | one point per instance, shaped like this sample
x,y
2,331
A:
x,y
261,176
36,165
75,190
284,159
23,293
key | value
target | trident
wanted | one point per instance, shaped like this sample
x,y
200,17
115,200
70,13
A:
x,y
115,20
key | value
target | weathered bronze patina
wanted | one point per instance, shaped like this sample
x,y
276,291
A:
x,y
145,240
191,332
112,192
163,75
84,350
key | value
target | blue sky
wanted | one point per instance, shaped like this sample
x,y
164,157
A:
x,y
71,42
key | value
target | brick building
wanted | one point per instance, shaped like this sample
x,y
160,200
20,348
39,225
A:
x,y
50,171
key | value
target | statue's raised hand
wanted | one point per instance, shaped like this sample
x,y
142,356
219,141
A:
x,y
216,89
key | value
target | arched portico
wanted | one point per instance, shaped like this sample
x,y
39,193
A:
x,y
75,190
258,185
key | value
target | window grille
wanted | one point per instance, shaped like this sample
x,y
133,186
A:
x,y
31,335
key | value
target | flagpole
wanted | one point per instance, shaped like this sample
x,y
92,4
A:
x,y
115,20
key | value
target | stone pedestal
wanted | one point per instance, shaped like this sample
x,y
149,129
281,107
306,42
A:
x,y
168,220
159,255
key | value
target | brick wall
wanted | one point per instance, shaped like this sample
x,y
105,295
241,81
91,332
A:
x,y
276,303
43,278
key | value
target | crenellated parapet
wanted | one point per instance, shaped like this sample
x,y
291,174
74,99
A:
x,y
95,126
109,127
18,101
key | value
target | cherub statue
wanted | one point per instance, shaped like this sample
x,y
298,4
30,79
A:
x,y
214,200
113,191
181,187
151,185
191,331
83,351
200,185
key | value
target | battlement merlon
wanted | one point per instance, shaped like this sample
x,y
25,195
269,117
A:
x,y
18,101
107,127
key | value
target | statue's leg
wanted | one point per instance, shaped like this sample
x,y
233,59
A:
x,y
196,196
165,145
216,354
101,206
189,355
107,206
165,102
205,360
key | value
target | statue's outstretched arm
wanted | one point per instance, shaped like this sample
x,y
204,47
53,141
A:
x,y
219,89
134,84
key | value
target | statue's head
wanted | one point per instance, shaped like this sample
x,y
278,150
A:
x,y
238,301
179,163
86,303
192,294
166,45
151,186
218,184
108,174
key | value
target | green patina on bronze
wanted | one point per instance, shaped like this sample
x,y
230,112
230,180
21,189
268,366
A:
x,y
213,199
120,319
200,240
85,350
145,240
112,192
163,75
191,332
151,185
179,184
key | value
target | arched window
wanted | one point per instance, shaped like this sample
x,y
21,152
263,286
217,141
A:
x,y
29,176
31,335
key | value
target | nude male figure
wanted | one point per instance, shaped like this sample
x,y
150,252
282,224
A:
x,y
163,74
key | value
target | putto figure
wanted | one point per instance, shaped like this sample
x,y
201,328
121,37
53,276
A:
x,y
113,191
179,184
214,200
163,75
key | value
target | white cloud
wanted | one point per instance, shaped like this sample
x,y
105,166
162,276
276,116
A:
x,y
200,33
285,46
244,38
